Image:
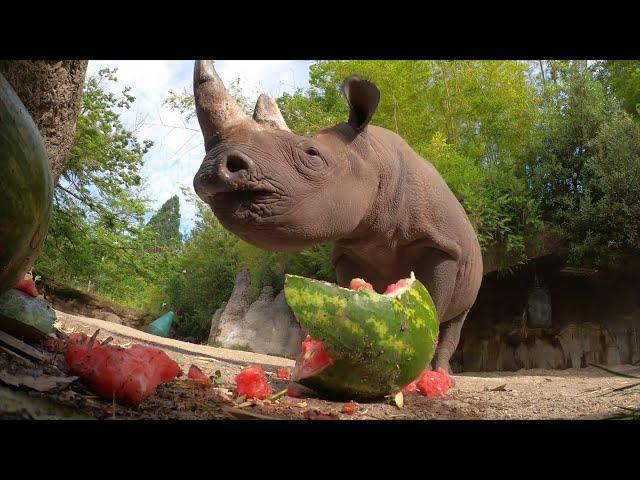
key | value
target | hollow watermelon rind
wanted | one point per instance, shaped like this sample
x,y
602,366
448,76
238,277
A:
x,y
378,343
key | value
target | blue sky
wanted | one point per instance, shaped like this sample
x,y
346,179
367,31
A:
x,y
178,149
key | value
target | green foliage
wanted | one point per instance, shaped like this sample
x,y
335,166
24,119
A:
x,y
96,232
606,226
166,223
623,78
204,274
583,168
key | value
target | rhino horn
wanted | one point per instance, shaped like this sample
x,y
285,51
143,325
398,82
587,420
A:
x,y
268,114
217,110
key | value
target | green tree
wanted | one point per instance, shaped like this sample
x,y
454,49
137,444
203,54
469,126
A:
x,y
606,226
166,223
97,234
623,78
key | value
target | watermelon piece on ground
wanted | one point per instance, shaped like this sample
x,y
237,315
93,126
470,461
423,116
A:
x,y
129,374
434,384
293,391
252,382
349,408
28,287
197,375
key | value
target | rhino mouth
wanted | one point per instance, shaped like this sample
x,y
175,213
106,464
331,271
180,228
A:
x,y
246,203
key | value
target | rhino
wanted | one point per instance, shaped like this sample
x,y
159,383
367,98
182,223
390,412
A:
x,y
386,210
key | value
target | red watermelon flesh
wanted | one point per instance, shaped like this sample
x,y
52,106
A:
x,y
312,360
412,387
397,288
434,384
252,382
293,391
430,384
132,374
196,374
28,287
358,284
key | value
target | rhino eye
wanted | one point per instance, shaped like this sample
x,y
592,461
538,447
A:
x,y
312,151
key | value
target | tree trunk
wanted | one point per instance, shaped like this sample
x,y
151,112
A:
x,y
51,91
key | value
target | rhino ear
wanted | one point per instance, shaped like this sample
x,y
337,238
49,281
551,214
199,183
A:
x,y
363,97
267,113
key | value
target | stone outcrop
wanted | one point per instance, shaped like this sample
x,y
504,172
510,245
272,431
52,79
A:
x,y
51,91
574,318
262,325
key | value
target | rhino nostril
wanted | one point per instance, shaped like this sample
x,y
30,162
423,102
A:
x,y
236,163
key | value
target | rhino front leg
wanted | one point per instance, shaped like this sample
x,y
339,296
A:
x,y
448,342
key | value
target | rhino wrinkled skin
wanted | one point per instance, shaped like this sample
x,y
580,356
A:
x,y
386,210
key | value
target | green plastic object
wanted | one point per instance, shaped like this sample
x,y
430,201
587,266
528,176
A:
x,y
162,325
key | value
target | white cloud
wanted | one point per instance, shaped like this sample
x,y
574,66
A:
x,y
178,150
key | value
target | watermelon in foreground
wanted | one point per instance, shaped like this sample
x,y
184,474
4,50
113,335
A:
x,y
373,344
26,189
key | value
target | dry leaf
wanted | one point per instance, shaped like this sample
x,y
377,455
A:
x,y
20,345
41,383
501,388
399,399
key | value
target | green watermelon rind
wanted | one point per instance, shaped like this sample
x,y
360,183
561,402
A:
x,y
28,311
378,344
26,186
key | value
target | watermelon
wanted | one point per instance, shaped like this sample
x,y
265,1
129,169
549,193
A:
x,y
24,316
349,408
130,374
26,189
197,375
252,382
28,287
434,384
377,344
313,359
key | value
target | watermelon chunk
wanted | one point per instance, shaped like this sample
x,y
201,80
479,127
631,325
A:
x,y
349,408
293,391
252,382
397,288
197,375
313,359
412,387
28,287
434,384
129,374
358,284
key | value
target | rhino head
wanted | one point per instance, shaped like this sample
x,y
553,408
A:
x,y
273,188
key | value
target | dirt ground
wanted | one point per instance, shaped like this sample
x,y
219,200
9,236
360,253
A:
x,y
527,394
